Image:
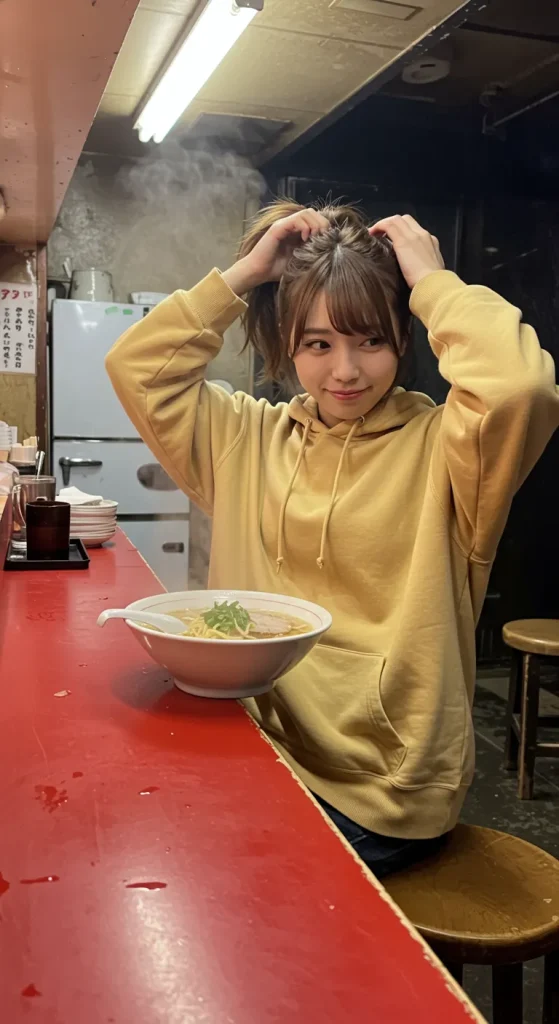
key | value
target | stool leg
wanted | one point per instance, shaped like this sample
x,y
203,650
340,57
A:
x,y
513,708
529,710
551,989
507,994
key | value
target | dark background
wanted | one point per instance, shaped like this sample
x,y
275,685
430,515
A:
x,y
493,202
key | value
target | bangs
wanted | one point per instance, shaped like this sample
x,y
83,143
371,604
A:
x,y
357,297
363,310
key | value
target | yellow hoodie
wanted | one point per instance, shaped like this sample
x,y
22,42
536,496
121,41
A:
x,y
391,523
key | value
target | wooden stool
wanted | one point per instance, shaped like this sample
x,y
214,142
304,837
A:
x,y
488,898
530,640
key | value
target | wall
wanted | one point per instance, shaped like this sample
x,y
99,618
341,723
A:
x,y
521,256
520,260
158,224
18,390
400,148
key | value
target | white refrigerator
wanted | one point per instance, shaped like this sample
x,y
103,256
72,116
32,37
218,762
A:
x,y
95,446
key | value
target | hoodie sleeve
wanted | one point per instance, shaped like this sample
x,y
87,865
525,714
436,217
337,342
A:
x,y
502,408
157,369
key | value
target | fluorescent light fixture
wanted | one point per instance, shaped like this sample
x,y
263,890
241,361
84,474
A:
x,y
210,39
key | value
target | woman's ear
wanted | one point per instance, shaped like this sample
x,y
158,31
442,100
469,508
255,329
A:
x,y
404,343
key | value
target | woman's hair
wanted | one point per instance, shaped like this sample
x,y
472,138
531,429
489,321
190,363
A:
x,y
358,273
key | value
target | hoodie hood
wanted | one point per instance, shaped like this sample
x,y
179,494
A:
x,y
397,410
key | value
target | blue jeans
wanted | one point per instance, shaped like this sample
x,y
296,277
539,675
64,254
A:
x,y
382,854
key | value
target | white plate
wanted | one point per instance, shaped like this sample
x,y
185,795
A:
x,y
100,522
105,517
103,528
92,532
108,518
90,510
104,506
90,513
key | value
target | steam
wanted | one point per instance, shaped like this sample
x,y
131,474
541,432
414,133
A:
x,y
191,205
157,223
175,180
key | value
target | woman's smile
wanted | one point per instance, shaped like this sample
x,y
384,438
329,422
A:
x,y
346,396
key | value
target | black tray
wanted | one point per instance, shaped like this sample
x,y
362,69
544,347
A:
x,y
78,559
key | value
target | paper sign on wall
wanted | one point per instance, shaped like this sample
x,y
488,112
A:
x,y
18,327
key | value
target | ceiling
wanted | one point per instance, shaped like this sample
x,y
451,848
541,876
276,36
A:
x,y
297,62
298,66
55,60
513,43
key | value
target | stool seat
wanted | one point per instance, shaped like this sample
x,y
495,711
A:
x,y
485,897
533,636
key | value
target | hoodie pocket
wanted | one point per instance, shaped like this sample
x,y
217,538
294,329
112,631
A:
x,y
331,706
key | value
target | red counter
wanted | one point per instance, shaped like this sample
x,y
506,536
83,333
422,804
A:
x,y
158,863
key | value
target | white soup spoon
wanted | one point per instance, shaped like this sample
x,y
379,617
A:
x,y
166,623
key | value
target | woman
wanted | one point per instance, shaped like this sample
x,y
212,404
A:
x,y
358,495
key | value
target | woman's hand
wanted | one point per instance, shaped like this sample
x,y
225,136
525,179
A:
x,y
268,259
416,250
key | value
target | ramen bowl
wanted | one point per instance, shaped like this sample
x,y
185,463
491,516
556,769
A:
x,y
229,668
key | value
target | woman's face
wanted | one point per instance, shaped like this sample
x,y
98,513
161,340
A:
x,y
347,374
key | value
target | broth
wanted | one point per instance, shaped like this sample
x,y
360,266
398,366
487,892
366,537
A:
x,y
233,622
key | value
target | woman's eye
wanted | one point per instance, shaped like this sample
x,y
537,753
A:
x,y
372,343
318,346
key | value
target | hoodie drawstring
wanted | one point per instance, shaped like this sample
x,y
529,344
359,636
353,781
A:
x,y
333,496
281,525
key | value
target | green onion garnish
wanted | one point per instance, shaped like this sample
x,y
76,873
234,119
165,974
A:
x,y
228,618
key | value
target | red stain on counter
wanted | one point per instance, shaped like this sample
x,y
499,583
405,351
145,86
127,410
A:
x,y
147,885
31,992
50,797
38,881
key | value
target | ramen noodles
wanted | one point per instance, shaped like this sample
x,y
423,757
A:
x,y
230,621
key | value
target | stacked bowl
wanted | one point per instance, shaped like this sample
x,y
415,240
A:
x,y
8,436
93,524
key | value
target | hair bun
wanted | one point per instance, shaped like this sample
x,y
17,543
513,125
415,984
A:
x,y
344,216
